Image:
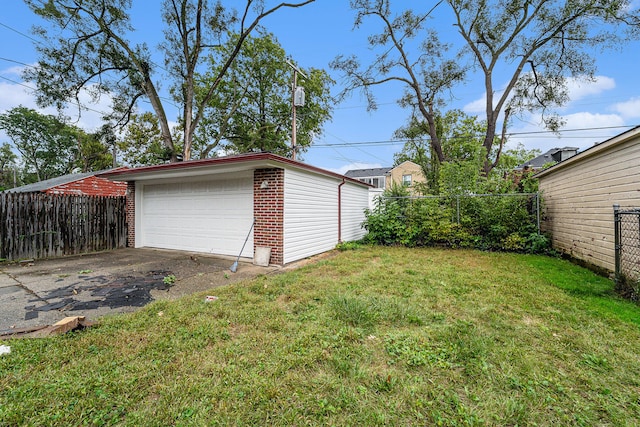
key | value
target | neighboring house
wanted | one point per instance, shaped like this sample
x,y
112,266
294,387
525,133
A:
x,y
376,177
87,184
406,173
555,155
210,205
579,194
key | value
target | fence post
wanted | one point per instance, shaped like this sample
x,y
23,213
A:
x,y
458,208
617,239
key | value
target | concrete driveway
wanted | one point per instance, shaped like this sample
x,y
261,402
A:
x,y
42,292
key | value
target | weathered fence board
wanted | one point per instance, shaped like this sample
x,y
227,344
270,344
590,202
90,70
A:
x,y
38,225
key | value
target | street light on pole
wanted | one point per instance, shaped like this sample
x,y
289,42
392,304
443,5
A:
x,y
297,100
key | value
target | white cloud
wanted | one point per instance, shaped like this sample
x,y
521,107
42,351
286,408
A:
x,y
14,71
582,130
14,95
629,109
578,88
477,106
343,169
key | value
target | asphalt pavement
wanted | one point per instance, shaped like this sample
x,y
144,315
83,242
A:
x,y
41,292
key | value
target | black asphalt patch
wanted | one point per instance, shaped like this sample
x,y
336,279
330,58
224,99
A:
x,y
113,292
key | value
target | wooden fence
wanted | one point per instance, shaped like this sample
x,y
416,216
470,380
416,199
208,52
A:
x,y
38,225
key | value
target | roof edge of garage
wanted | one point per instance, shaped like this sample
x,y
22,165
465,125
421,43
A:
x,y
591,151
251,159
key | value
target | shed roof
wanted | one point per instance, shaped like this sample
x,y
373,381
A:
x,y
54,182
592,151
218,165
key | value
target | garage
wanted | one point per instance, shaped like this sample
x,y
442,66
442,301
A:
x,y
198,216
209,206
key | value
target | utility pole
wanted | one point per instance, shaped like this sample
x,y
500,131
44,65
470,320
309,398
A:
x,y
297,100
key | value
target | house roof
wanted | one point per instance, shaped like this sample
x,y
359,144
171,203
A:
x,y
54,182
592,151
364,173
218,165
545,158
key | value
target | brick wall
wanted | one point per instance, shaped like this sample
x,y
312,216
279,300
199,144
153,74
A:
x,y
268,211
91,186
131,214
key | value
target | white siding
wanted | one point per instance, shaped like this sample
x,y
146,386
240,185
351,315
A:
x,y
212,216
355,199
579,199
310,214
374,194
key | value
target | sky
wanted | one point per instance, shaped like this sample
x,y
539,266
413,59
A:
x,y
356,138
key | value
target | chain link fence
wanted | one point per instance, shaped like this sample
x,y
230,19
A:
x,y
627,251
484,221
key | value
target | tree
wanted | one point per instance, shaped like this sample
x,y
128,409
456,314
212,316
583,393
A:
x,y
93,154
537,43
252,109
141,144
93,53
50,147
8,166
460,138
47,146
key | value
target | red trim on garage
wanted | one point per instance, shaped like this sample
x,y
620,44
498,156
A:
x,y
241,158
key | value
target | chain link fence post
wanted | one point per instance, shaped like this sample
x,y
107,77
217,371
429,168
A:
x,y
617,246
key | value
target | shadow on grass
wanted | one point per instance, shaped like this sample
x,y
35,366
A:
x,y
597,292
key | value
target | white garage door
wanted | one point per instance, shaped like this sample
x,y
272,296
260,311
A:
x,y
211,216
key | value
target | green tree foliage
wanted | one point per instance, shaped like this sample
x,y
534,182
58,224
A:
x,y
460,138
537,43
93,154
141,144
47,146
8,167
89,50
251,111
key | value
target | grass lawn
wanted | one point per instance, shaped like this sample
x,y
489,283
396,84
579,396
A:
x,y
373,336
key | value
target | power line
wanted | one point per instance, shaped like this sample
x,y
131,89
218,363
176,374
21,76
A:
x,y
167,100
20,32
70,102
402,141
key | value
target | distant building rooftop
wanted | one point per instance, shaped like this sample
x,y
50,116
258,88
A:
x,y
362,173
555,155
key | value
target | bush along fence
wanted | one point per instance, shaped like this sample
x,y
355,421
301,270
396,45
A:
x,y
38,225
509,222
627,251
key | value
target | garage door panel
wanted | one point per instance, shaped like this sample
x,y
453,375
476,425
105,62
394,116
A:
x,y
208,216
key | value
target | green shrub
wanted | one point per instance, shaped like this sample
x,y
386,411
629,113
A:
x,y
488,223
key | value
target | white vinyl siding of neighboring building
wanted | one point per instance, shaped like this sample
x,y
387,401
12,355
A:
x,y
310,214
354,199
579,199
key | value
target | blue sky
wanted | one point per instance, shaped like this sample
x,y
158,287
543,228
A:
x,y
357,138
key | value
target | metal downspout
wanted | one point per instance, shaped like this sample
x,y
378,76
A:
x,y
340,211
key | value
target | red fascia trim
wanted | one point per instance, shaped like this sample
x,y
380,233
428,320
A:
x,y
249,157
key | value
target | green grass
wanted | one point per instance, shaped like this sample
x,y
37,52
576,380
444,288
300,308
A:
x,y
372,336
